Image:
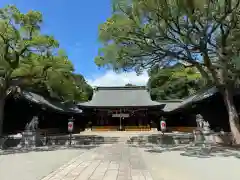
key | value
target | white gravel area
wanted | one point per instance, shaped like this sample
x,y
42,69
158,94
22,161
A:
x,y
34,165
173,166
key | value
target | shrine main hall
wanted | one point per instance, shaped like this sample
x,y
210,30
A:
x,y
124,109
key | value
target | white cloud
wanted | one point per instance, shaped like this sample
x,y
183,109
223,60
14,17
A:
x,y
111,78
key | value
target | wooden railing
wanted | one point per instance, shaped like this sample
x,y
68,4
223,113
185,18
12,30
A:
x,y
126,128
181,129
50,132
105,128
137,128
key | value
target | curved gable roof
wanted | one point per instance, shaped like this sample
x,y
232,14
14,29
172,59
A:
x,y
128,96
55,105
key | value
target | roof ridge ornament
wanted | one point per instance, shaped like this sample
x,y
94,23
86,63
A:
x,y
120,88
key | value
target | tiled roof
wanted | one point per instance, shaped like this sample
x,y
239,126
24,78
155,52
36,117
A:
x,y
131,96
199,96
55,105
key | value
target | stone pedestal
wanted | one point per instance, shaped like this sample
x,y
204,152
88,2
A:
x,y
176,140
29,139
208,135
2,140
198,136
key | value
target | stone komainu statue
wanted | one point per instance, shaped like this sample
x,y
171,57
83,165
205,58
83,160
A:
x,y
199,120
201,123
33,124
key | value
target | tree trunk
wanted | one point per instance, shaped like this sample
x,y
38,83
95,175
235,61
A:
x,y
204,74
2,105
232,113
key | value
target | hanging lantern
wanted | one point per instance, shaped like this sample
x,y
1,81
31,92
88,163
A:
x,y
163,125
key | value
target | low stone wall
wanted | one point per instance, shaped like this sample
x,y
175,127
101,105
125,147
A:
x,y
213,137
8,142
221,138
62,140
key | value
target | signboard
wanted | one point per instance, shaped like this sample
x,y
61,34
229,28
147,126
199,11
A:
x,y
70,126
124,115
163,125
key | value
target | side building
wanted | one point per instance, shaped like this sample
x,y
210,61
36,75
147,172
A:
x,y
208,103
53,114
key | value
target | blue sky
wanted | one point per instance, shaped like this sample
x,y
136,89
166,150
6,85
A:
x,y
74,23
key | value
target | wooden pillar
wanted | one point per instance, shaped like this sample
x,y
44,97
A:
x,y
101,119
120,121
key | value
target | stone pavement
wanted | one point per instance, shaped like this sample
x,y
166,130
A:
x,y
172,166
34,165
107,162
117,161
122,162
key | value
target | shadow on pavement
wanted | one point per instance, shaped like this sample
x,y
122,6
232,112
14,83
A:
x,y
157,139
200,152
167,143
44,148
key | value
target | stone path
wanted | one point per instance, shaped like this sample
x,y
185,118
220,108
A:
x,y
107,162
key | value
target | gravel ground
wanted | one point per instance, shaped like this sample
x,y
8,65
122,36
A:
x,y
34,165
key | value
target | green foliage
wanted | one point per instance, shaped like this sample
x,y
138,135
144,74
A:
x,y
143,33
174,82
28,58
83,92
129,85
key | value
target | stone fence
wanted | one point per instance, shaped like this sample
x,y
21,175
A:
x,y
213,137
196,137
